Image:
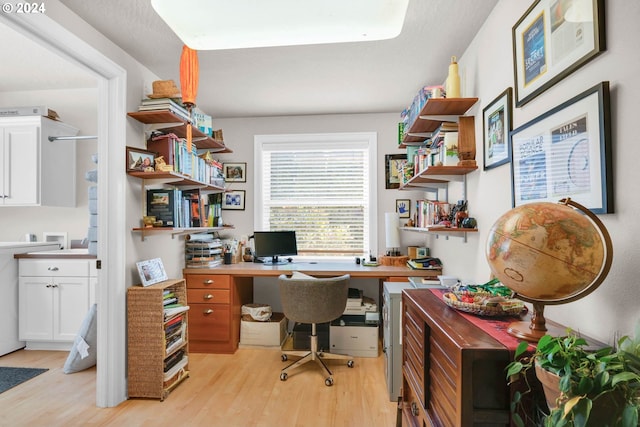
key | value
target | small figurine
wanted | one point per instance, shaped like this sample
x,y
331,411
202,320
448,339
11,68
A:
x,y
162,166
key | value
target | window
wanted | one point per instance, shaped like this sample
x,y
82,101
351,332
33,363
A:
x,y
323,186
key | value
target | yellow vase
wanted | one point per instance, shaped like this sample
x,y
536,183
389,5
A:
x,y
453,80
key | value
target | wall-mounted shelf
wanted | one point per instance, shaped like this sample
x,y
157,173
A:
x,y
174,178
434,112
445,231
169,122
145,231
432,176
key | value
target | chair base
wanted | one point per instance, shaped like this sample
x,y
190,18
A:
x,y
313,354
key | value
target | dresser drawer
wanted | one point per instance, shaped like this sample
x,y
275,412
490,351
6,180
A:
x,y
217,296
209,322
54,267
208,281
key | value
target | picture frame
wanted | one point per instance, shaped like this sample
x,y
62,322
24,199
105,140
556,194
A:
x,y
233,200
393,164
139,159
552,40
151,271
497,119
403,207
235,172
566,152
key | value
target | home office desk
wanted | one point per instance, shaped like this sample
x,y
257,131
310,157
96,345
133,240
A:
x,y
216,295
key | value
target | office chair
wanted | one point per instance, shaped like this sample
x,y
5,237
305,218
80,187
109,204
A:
x,y
307,299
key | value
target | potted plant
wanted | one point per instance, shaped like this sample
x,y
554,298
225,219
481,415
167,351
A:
x,y
593,387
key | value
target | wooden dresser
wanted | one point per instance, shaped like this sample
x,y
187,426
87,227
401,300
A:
x,y
453,372
214,319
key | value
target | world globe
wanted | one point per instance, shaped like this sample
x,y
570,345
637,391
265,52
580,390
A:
x,y
548,253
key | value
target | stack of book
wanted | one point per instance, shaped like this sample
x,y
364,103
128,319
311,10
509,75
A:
x,y
354,302
430,213
160,104
175,325
202,250
428,263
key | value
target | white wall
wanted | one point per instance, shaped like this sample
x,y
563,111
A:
x,y
487,69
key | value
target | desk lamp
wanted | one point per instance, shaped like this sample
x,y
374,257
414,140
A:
x,y
392,233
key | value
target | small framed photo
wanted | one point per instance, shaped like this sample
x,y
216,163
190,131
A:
x,y
233,200
403,207
140,160
235,172
496,123
151,271
393,164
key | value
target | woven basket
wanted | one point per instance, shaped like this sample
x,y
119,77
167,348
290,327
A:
x,y
514,307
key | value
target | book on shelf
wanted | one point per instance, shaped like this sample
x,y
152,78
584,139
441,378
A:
x,y
176,368
169,312
172,360
161,203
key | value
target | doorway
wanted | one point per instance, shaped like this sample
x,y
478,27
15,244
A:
x,y
111,112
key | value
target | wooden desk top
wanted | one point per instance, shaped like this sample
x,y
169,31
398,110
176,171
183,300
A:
x,y
248,269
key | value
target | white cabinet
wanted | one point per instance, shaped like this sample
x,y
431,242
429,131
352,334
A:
x,y
34,170
54,297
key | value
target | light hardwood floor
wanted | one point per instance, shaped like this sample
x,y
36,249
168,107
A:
x,y
242,390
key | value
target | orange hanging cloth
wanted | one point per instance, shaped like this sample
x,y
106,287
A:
x,y
189,75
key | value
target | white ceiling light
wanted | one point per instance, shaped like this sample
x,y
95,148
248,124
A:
x,y
232,24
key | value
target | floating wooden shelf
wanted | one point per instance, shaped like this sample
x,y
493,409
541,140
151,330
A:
x,y
176,124
434,112
175,178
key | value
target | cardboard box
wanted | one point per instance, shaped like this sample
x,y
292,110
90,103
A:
x,y
270,333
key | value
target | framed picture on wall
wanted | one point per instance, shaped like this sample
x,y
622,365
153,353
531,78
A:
x,y
233,200
393,164
566,152
552,40
235,172
403,207
496,124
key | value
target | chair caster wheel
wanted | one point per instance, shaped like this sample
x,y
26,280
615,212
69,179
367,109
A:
x,y
283,376
284,357
328,382
350,363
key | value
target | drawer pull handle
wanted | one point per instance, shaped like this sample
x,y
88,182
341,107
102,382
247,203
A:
x,y
207,296
414,409
52,268
49,286
208,282
207,312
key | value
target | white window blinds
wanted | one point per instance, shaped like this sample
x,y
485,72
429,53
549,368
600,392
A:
x,y
321,187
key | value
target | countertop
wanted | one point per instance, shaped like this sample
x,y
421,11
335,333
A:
x,y
59,254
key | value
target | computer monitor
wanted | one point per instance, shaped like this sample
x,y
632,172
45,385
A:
x,y
272,244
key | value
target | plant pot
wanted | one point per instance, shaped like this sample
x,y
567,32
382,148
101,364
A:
x,y
551,386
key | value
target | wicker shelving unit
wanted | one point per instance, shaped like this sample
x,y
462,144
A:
x,y
148,350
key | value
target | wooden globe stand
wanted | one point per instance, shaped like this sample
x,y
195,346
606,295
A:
x,y
535,329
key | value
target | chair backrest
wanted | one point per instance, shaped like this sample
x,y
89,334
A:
x,y
313,300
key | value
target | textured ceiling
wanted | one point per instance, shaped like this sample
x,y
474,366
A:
x,y
361,77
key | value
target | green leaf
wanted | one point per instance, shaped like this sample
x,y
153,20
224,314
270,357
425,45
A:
x,y
624,377
630,416
517,420
585,385
514,368
580,409
520,349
